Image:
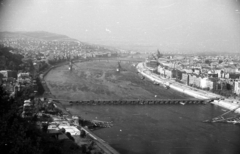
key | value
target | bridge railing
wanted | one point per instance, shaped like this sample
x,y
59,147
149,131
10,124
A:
x,y
142,102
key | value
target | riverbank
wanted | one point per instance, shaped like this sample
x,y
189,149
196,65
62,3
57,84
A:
x,y
100,144
218,100
229,104
141,129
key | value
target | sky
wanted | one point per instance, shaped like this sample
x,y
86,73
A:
x,y
144,25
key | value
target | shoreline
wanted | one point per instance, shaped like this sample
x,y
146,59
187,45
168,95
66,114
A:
x,y
218,100
228,104
104,146
105,143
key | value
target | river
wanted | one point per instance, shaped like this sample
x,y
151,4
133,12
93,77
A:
x,y
143,129
164,129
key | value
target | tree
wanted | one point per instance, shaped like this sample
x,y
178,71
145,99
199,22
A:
x,y
16,133
13,60
220,61
19,135
207,61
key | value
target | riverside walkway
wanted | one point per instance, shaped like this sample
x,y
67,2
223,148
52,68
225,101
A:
x,y
197,93
218,100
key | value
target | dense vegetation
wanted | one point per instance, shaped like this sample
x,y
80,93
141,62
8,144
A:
x,y
11,61
19,135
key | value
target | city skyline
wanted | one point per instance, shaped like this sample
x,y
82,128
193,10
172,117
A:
x,y
186,26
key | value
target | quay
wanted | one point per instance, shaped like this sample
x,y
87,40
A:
x,y
197,93
229,104
217,100
201,97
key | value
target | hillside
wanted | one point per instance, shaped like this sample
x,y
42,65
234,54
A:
x,y
36,35
9,39
9,60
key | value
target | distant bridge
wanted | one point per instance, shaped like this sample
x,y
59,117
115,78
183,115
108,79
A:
x,y
140,102
121,60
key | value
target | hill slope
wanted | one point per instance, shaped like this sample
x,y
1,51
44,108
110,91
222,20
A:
x,y
37,35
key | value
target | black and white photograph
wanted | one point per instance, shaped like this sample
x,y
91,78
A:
x,y
120,76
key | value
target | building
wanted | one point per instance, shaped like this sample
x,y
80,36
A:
x,y
212,83
185,78
179,74
161,70
170,73
197,71
188,70
194,80
212,75
237,70
220,73
152,64
232,76
230,69
237,87
204,83
8,74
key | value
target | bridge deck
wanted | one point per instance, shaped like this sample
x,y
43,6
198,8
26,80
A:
x,y
141,102
120,60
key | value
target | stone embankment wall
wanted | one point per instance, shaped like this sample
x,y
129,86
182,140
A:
x,y
197,93
228,104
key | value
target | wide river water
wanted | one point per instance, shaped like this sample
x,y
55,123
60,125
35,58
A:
x,y
164,129
146,129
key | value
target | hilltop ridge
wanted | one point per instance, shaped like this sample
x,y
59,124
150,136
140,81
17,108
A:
x,y
42,35
48,36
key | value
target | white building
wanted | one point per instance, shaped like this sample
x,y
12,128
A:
x,y
204,83
237,87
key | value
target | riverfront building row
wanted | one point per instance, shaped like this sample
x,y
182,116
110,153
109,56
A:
x,y
220,75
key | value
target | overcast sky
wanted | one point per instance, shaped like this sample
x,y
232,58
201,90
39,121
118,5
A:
x,y
178,25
